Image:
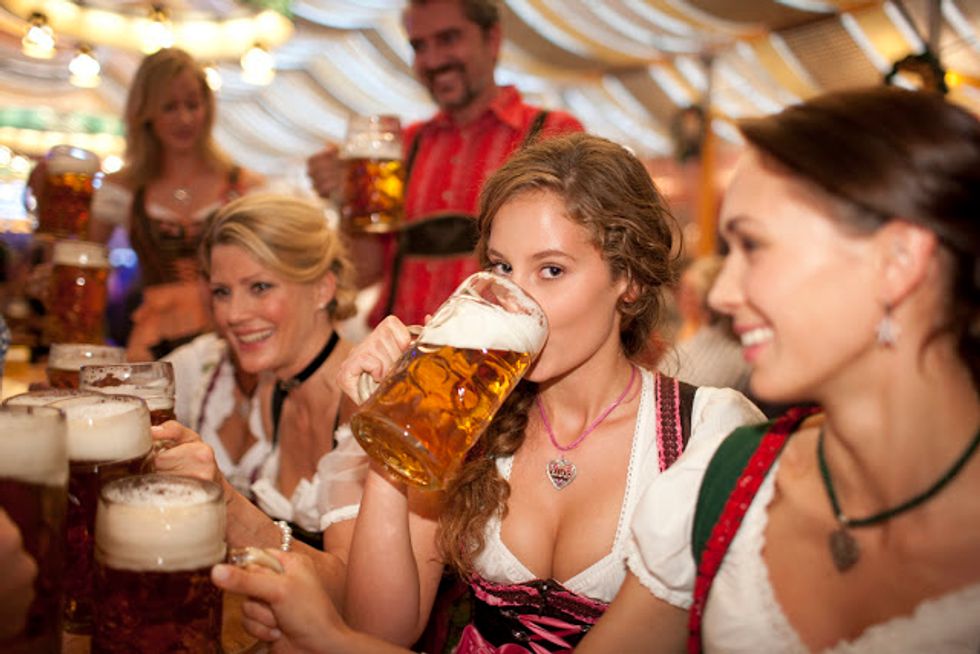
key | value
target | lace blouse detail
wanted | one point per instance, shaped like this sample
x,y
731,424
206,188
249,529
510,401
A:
x,y
332,495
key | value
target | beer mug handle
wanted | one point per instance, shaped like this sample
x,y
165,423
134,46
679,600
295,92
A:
x,y
243,557
366,385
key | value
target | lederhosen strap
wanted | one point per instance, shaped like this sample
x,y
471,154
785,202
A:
x,y
448,234
731,481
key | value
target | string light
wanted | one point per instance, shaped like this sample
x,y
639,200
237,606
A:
x,y
212,76
258,66
157,31
84,68
38,41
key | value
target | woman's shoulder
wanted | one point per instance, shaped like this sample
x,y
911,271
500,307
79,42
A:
x,y
247,180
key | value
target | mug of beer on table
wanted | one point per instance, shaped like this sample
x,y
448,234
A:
x,y
156,539
66,359
374,177
65,201
446,388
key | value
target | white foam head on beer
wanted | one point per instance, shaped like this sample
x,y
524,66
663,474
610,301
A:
x,y
45,397
368,139
160,523
33,446
67,159
82,254
467,321
158,393
72,356
106,427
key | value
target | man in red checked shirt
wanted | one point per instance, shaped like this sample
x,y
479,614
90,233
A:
x,y
479,124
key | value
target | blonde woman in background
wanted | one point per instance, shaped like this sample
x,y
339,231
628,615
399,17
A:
x,y
174,177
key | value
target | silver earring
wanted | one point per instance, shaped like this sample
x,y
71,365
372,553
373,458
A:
x,y
888,330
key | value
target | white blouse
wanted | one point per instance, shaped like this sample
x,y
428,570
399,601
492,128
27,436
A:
x,y
743,614
200,387
715,412
113,203
332,495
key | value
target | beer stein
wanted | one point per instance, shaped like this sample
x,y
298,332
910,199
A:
x,y
152,381
65,360
33,492
65,203
444,390
108,438
156,539
78,293
374,175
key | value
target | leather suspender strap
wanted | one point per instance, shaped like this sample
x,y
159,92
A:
x,y
731,481
535,128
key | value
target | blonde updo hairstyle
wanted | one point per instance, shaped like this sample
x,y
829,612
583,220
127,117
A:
x,y
288,236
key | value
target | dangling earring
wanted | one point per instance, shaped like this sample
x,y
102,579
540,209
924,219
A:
x,y
888,330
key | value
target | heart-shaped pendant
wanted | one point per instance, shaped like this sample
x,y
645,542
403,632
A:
x,y
561,472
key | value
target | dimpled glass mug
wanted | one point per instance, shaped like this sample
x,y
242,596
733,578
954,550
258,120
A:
x,y
445,389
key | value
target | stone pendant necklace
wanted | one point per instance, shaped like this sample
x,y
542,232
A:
x,y
844,549
561,471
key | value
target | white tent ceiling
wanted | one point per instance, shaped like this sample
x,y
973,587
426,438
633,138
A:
x,y
624,67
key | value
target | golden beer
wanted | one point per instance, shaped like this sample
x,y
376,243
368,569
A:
x,y
445,390
78,293
374,176
64,205
108,438
153,382
65,360
156,538
33,492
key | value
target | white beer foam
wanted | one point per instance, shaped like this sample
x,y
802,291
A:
x,y
45,397
106,428
69,356
84,254
467,321
163,525
64,161
33,447
156,394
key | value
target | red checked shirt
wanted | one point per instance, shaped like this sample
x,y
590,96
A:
x,y
450,167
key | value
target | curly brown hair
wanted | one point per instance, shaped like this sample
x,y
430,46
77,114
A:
x,y
607,190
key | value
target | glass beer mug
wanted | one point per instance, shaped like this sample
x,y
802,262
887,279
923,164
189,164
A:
x,y
34,493
64,206
65,360
374,177
156,539
443,392
108,438
153,382
78,293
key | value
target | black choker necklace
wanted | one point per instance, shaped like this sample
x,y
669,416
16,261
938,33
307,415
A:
x,y
283,387
844,549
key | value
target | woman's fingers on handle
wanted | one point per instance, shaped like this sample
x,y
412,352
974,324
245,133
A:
x,y
375,356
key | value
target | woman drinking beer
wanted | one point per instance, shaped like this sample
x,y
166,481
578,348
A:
x,y
279,279
174,178
536,518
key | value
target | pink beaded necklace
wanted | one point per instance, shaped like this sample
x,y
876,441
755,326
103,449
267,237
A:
x,y
561,471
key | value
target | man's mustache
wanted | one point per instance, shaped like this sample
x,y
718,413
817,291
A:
x,y
430,75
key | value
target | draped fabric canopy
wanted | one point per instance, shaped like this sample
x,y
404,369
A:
x,y
624,67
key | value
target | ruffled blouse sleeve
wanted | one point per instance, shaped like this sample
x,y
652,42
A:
x,y
342,473
112,203
659,552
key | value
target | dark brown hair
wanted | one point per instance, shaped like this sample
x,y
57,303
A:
x,y
885,153
606,190
485,13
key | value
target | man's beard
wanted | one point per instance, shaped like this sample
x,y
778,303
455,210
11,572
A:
x,y
469,93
